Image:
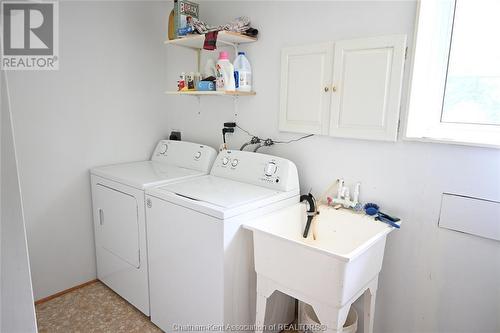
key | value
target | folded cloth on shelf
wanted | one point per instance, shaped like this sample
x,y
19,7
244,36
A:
x,y
210,43
201,27
239,24
251,32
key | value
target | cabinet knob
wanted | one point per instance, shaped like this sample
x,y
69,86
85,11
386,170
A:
x,y
334,89
326,89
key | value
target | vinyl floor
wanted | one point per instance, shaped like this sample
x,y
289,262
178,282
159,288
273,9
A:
x,y
93,308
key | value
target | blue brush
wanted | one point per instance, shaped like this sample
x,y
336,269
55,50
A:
x,y
373,209
389,222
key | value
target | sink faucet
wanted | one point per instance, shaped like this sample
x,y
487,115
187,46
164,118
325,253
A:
x,y
343,195
312,211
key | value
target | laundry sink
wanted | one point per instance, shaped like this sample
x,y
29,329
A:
x,y
337,263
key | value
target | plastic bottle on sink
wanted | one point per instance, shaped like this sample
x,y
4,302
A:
x,y
242,73
225,73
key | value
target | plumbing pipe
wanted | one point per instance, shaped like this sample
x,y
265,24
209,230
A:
x,y
260,145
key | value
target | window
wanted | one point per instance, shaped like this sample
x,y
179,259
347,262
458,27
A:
x,y
472,93
455,90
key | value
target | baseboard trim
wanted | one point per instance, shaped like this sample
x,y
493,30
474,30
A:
x,y
48,298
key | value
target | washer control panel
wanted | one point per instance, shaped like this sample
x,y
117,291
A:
x,y
184,154
254,168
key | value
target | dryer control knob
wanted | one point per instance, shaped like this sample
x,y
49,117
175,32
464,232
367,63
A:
x,y
225,161
163,148
197,155
270,169
234,163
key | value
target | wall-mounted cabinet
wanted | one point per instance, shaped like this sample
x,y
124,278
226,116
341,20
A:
x,y
305,79
349,88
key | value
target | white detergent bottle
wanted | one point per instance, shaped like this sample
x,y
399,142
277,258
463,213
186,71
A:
x,y
225,73
242,73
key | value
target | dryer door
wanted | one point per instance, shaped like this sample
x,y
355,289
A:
x,y
117,228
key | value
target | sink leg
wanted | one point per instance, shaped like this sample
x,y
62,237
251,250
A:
x,y
369,309
260,313
333,318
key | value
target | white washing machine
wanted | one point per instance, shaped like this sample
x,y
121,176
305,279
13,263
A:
x,y
200,258
119,216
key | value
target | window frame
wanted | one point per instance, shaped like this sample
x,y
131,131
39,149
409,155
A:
x,y
431,50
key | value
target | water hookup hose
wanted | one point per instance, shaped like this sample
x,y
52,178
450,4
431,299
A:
x,y
312,211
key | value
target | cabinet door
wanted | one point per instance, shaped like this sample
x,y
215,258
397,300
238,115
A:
x,y
366,91
306,73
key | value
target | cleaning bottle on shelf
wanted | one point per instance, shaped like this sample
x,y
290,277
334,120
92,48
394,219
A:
x,y
242,73
225,73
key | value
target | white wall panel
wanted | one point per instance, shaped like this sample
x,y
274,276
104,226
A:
x,y
473,216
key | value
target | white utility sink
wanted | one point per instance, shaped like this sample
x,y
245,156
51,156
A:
x,y
329,272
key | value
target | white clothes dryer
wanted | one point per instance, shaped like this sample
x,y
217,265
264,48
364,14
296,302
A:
x,y
119,213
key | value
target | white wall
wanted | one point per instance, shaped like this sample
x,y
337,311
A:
x,y
433,280
17,311
105,105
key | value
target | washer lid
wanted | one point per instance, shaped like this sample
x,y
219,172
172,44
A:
x,y
221,192
144,174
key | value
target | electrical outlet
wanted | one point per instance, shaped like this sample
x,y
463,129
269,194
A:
x,y
175,135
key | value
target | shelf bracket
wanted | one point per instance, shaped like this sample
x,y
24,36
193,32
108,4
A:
x,y
198,60
235,106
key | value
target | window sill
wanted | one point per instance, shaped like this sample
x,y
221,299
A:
x,y
485,144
